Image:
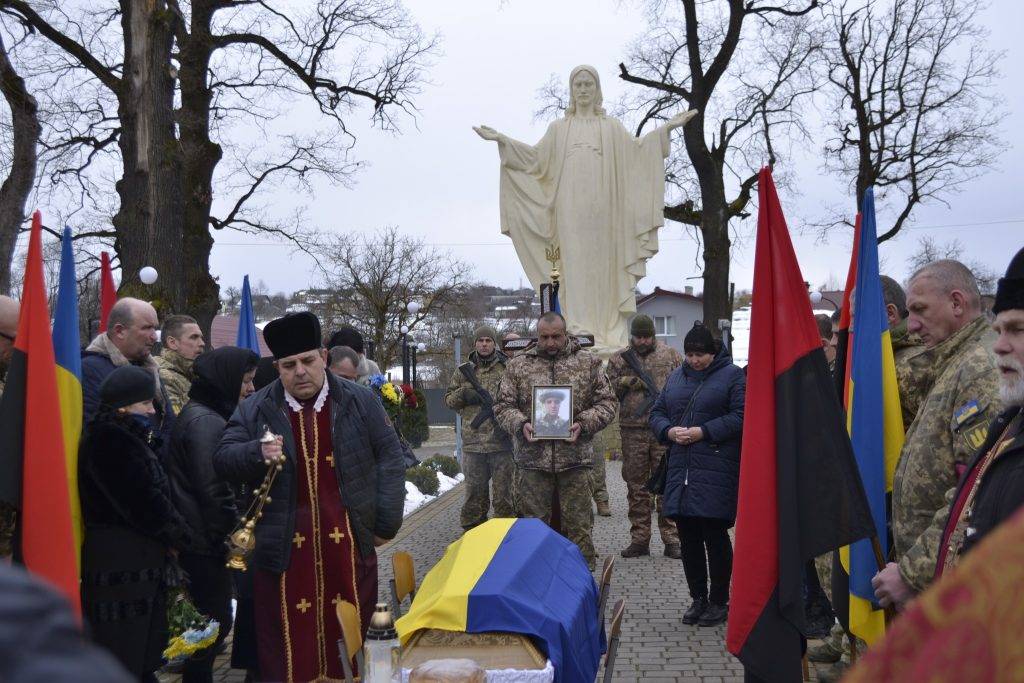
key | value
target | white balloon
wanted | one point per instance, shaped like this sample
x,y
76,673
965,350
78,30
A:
x,y
148,275
815,297
413,307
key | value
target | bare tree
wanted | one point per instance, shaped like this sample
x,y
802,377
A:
x,y
369,281
929,250
913,108
184,76
744,83
16,188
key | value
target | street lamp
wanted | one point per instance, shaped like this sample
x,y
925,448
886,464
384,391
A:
x,y
413,307
817,297
416,350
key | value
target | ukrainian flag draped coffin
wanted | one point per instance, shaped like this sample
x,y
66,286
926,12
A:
x,y
68,355
517,576
33,468
875,423
799,493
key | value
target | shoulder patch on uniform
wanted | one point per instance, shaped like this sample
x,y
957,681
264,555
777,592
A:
x,y
965,412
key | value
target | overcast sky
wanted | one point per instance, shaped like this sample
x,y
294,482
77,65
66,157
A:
x,y
439,181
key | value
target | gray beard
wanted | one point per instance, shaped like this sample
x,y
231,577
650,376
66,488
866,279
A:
x,y
1012,393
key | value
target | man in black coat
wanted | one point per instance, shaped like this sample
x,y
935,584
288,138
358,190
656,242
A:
x,y
992,489
339,494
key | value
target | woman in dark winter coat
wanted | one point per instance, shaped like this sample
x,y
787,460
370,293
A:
x,y
221,379
699,414
131,527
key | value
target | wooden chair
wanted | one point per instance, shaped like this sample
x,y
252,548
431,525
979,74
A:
x,y
351,642
605,585
613,640
404,583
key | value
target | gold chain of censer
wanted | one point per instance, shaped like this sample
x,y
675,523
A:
x,y
242,540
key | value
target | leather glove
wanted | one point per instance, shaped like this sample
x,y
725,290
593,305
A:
x,y
471,397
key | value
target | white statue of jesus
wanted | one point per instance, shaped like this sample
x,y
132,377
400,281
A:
x,y
595,192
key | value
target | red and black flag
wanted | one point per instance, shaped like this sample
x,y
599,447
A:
x,y
800,494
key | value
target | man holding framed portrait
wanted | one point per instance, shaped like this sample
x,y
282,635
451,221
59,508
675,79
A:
x,y
553,399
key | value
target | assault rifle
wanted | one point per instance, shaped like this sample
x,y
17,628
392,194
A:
x,y
486,400
629,355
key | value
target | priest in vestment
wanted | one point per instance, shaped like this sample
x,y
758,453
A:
x,y
595,192
339,495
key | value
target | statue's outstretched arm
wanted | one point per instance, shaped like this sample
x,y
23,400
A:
x,y
488,133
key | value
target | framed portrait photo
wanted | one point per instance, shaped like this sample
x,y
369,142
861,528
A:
x,y
552,411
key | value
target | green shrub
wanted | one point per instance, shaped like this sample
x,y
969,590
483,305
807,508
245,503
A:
x,y
445,464
424,478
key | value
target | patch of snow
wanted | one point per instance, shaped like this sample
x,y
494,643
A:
x,y
414,499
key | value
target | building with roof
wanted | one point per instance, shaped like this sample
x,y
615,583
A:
x,y
673,313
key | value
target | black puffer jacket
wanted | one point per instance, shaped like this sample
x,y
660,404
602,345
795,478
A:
x,y
204,499
368,462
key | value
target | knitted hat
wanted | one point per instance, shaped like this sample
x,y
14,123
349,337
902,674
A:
x,y
1010,291
293,334
699,340
642,326
485,331
126,385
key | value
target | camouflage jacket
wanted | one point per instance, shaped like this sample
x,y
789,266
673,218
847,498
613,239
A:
x,y
176,373
913,383
950,425
659,363
487,438
593,405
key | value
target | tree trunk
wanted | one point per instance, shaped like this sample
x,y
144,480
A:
x,y
714,224
18,185
200,156
148,224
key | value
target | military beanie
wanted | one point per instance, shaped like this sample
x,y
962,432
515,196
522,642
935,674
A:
x,y
485,331
127,385
1010,291
642,326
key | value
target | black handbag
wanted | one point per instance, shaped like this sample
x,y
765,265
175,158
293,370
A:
x,y
656,484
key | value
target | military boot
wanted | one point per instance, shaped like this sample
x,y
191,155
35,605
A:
x,y
636,550
603,509
673,550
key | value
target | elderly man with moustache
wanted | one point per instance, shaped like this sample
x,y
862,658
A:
x,y
339,495
959,369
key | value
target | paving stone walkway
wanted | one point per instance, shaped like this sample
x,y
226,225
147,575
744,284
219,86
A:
x,y
655,645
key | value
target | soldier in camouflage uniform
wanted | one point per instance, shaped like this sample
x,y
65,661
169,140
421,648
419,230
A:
x,y
945,311
9,314
487,450
182,342
641,451
544,466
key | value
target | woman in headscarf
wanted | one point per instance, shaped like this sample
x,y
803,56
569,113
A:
x,y
132,529
222,378
699,414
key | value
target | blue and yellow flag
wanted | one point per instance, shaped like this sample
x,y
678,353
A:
x,y
68,354
874,421
517,576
